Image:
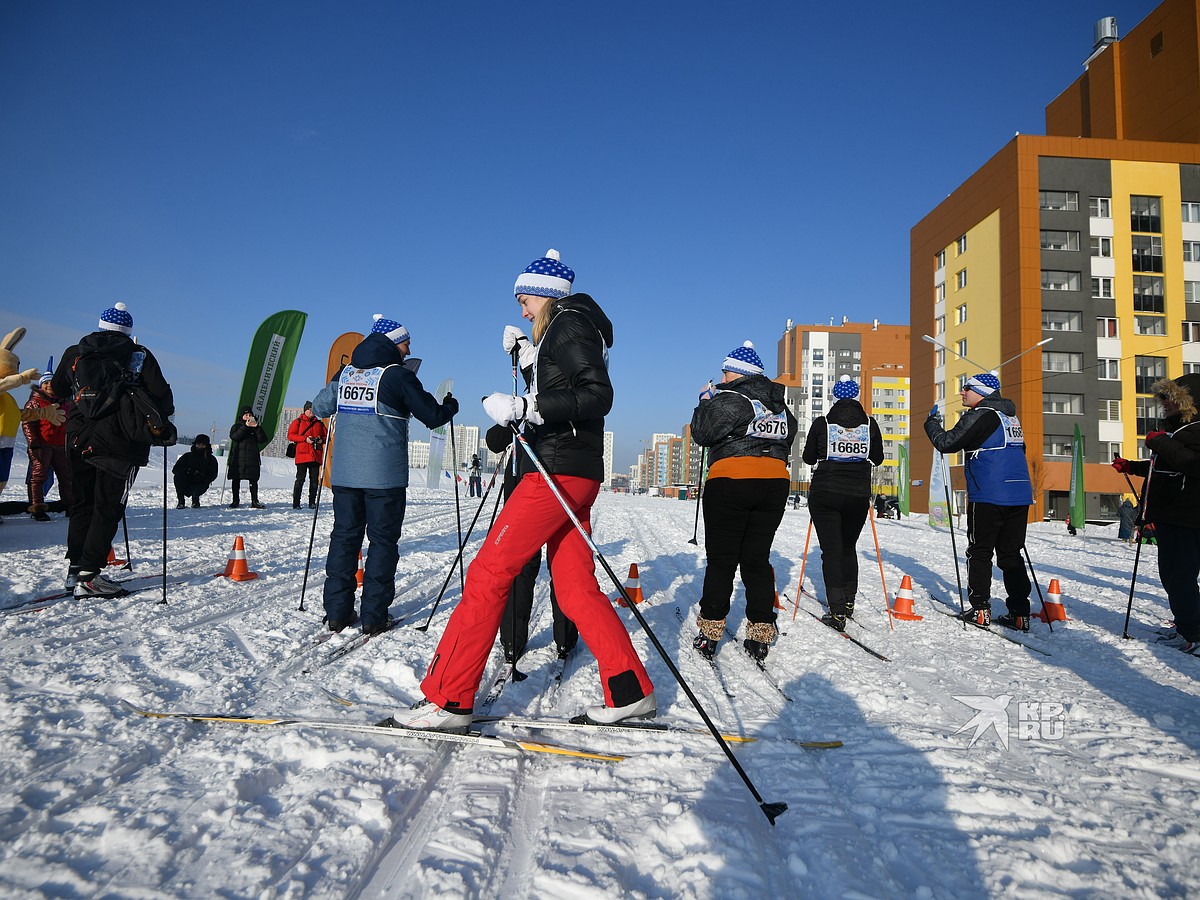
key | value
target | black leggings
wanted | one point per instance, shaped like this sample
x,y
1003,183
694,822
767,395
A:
x,y
839,520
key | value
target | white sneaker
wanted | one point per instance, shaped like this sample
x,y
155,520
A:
x,y
428,716
646,708
93,584
1172,639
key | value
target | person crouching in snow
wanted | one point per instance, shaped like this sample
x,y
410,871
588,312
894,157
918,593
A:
x,y
1173,503
748,430
195,471
844,445
565,408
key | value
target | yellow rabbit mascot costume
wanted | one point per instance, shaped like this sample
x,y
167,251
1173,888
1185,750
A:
x,y
11,415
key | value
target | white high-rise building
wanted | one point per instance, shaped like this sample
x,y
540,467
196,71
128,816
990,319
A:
x,y
608,458
418,454
466,444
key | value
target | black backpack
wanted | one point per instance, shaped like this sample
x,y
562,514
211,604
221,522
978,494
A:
x,y
98,382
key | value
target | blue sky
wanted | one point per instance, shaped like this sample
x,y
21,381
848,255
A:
x,y
708,170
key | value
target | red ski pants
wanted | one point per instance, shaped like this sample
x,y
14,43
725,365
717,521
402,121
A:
x,y
531,518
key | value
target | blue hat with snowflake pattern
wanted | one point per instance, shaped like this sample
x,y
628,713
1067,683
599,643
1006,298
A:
x,y
545,277
390,328
846,388
117,318
983,384
743,360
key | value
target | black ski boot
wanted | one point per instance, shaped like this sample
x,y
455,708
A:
x,y
977,615
706,647
757,649
1016,623
837,623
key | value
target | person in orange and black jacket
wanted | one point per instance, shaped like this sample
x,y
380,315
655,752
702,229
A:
x,y
1172,506
307,432
748,429
844,445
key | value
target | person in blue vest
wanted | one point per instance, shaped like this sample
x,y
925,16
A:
x,y
373,397
999,494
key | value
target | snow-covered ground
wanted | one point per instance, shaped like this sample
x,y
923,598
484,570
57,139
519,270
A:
x,y
1096,793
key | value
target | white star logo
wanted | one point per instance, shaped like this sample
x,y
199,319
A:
x,y
990,712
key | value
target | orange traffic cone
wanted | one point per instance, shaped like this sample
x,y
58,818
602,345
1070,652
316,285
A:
x,y
1052,610
358,576
902,606
112,558
775,584
236,567
632,587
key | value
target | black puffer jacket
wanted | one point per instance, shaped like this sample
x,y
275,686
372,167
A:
x,y
721,423
573,391
1174,492
197,467
245,458
849,477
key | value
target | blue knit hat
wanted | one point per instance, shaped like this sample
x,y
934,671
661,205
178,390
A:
x,y
545,277
117,318
743,360
845,389
983,384
391,328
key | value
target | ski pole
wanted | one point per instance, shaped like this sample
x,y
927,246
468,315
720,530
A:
x,y
164,530
470,528
887,606
1143,502
803,563
770,810
1033,576
699,492
316,509
457,505
953,543
125,527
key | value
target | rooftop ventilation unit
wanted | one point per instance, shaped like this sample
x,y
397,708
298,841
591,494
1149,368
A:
x,y
1105,32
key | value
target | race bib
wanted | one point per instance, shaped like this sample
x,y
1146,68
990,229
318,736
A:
x,y
1013,433
847,444
358,391
767,425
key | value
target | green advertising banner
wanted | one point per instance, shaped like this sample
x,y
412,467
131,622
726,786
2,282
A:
x,y
905,479
1078,498
269,367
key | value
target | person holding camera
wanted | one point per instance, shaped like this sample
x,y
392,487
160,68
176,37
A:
x,y
307,434
245,458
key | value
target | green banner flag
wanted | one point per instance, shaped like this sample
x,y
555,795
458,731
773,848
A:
x,y
269,367
905,478
1078,498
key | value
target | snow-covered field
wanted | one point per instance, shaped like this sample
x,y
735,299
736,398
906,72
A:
x,y
1096,793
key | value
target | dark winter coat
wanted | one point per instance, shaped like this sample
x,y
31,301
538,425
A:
x,y
572,387
197,467
302,428
121,440
849,477
245,458
1126,515
1174,491
996,472
723,423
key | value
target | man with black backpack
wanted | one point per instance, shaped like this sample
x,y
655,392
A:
x,y
122,406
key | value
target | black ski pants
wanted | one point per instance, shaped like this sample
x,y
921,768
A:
x,y
97,504
311,470
1179,567
998,530
514,627
741,516
838,519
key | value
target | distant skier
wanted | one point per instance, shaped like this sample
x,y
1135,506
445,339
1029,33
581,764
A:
x,y
474,477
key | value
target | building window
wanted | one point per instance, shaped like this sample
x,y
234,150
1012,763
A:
x,y
1057,445
845,354
1060,240
940,260
1146,371
1191,368
939,325
1066,200
1102,247
819,356
939,357
941,391
1190,211
1147,253
1106,327
1109,451
1063,404
1154,325
960,279
961,348
1102,287
1191,292
1191,332
1147,414
1061,320
1108,369
960,314
1055,280
960,245
1100,207
1057,361
1191,251
939,293
1108,410
1145,214
1148,294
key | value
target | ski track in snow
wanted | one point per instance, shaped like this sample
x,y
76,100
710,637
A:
x,y
1101,799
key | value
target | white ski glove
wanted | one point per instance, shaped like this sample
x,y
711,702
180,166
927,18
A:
x,y
515,337
505,409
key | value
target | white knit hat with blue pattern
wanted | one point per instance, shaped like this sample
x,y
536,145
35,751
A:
x,y
545,277
117,318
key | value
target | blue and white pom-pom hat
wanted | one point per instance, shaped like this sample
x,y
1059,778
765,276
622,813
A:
x,y
117,318
846,388
545,277
984,384
390,328
743,360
